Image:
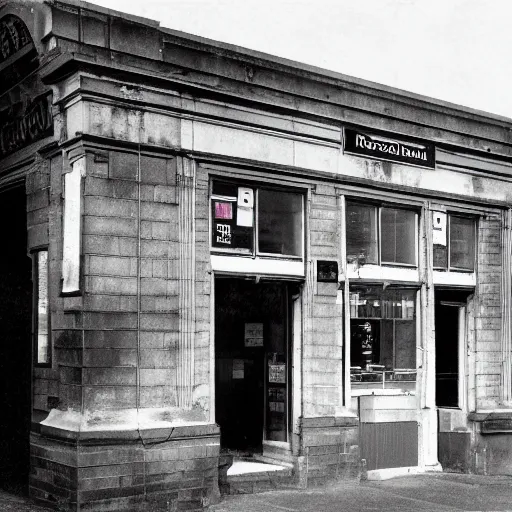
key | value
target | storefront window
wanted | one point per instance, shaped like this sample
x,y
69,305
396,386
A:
x,y
41,313
279,222
383,335
254,220
398,236
362,241
395,238
457,252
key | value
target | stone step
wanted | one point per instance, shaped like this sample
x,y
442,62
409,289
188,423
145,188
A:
x,y
248,477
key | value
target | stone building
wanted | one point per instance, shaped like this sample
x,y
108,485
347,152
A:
x,y
212,253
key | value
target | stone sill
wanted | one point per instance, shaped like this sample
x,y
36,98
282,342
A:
x,y
330,421
149,435
497,422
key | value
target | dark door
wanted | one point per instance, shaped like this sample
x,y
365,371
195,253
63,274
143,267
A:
x,y
15,341
447,307
251,359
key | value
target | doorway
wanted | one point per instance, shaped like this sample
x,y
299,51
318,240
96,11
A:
x,y
450,320
253,362
15,341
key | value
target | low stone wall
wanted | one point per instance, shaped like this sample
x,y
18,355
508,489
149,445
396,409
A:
x,y
330,448
166,470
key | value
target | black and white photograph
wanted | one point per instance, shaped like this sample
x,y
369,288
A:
x,y
255,256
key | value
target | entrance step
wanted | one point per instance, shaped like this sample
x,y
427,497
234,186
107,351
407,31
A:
x,y
253,476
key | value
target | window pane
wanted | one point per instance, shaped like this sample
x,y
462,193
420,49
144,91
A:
x,y
43,352
398,236
383,336
462,243
232,220
440,256
405,345
361,225
280,222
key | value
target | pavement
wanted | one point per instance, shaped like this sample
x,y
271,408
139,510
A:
x,y
420,493
430,492
10,502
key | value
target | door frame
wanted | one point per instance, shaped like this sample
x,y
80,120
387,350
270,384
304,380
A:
x,y
462,364
295,321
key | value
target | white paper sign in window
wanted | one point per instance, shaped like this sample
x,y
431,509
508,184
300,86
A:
x,y
439,228
245,206
72,228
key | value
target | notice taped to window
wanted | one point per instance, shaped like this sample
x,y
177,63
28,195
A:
x,y
238,368
253,335
277,373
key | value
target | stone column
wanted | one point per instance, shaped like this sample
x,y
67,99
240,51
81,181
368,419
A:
x,y
186,236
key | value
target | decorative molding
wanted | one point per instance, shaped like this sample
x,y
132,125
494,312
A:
x,y
506,304
186,180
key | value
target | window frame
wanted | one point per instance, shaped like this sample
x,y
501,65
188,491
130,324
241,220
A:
x,y
416,234
449,268
255,252
379,207
35,313
365,386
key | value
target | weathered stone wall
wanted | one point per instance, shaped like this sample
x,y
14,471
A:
x,y
176,472
488,363
42,205
322,350
119,342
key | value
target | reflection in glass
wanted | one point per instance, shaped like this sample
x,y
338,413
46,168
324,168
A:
x,y
279,222
361,225
398,236
383,334
42,308
462,243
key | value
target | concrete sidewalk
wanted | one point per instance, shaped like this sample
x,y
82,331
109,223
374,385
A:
x,y
420,493
10,502
427,492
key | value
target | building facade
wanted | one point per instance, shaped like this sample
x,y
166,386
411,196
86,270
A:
x,y
216,253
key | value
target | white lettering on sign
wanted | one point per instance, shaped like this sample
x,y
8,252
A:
x,y
390,147
224,234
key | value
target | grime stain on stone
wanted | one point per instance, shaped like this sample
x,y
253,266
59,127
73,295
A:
x,y
477,184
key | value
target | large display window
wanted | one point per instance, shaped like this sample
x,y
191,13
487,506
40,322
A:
x,y
382,336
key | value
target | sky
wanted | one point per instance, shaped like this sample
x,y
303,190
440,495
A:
x,y
453,50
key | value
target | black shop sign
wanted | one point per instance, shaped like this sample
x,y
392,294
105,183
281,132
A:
x,y
396,149
25,122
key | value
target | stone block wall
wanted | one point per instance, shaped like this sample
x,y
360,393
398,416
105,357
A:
x,y
488,343
116,302
41,206
119,344
330,446
323,316
172,470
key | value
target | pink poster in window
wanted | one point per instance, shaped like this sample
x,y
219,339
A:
x,y
223,210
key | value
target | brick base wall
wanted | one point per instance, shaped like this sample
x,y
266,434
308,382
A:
x,y
100,473
330,447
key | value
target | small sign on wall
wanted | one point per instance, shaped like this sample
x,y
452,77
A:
x,y
439,228
253,336
277,373
327,271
